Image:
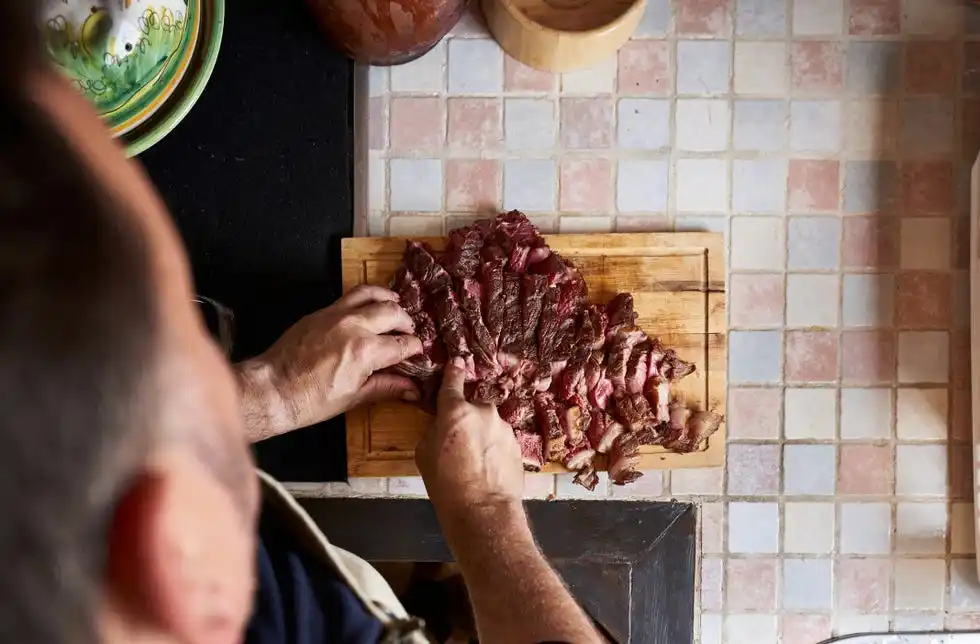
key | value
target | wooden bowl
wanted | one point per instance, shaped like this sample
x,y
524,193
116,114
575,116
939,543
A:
x,y
560,35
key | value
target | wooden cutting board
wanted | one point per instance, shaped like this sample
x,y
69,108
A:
x,y
678,285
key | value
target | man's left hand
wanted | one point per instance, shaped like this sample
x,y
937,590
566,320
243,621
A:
x,y
328,363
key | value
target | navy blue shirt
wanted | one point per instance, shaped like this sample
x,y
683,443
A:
x,y
301,600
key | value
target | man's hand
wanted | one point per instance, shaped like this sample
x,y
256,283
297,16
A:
x,y
326,364
469,457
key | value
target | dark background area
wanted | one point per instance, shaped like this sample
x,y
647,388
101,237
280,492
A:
x,y
259,177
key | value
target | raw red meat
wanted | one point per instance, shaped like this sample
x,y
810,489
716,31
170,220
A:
x,y
573,379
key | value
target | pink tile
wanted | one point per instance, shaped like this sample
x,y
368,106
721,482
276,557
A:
x,y
814,185
963,622
650,224
970,135
751,584
475,124
539,486
757,300
416,125
959,351
644,67
753,413
923,300
875,17
803,629
586,185
712,522
869,242
700,482
376,123
868,356
753,469
961,243
648,486
518,77
863,585
816,66
930,67
473,184
961,471
704,17
927,187
866,469
962,420
811,356
712,580
586,123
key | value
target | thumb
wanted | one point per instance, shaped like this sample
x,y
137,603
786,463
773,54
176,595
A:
x,y
453,379
381,387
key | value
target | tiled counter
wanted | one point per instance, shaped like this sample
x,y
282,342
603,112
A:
x,y
830,140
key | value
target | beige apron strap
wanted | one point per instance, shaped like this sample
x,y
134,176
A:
x,y
363,580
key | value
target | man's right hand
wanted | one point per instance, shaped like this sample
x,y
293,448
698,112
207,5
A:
x,y
469,457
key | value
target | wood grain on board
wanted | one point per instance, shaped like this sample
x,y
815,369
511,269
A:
x,y
678,286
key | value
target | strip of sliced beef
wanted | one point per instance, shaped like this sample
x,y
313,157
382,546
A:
x,y
533,288
462,256
510,336
492,278
619,347
481,343
603,431
532,453
546,413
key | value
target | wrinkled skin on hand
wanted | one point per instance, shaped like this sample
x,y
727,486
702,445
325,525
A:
x,y
328,362
469,456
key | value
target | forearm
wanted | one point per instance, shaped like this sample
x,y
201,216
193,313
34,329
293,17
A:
x,y
517,597
263,410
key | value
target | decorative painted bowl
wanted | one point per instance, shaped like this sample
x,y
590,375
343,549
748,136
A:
x,y
126,56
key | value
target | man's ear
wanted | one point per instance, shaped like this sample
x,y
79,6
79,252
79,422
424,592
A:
x,y
181,557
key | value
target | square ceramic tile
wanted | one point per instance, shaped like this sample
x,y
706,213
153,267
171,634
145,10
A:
x,y
702,124
518,77
964,587
928,127
538,486
816,66
415,226
920,470
585,185
705,224
422,75
417,125
818,17
922,414
416,185
758,243
641,185
863,586
865,528
703,66
867,356
753,528
377,123
917,623
870,243
934,18
920,528
377,183
643,123
565,488
755,356
874,17
655,20
928,187
815,126
530,184
923,356
970,76
919,584
764,18
865,413
873,67
711,629
925,243
475,124
750,584
704,17
702,185
756,300
809,470
407,486
644,67
752,469
759,186
866,470
711,520
753,412
868,300
814,185
573,225
750,629
377,80
812,300
700,482
871,128
811,414
871,187
648,486
599,78
760,124
475,66
931,68
712,582
814,243
761,67
962,538
809,528
806,628
529,124
586,123
807,584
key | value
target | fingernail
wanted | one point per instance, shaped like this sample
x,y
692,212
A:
x,y
459,363
410,396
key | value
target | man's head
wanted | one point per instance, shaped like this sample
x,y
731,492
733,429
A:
x,y
125,483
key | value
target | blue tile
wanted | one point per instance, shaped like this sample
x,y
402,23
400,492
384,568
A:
x,y
809,469
870,187
814,243
760,125
703,66
873,67
755,356
643,123
759,186
655,19
760,18
807,584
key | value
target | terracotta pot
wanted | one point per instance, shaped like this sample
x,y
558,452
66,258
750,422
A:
x,y
387,32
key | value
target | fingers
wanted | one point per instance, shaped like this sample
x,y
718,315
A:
x,y
388,350
453,379
385,317
364,294
383,387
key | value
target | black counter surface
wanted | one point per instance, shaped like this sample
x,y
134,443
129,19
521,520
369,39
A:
x,y
259,179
